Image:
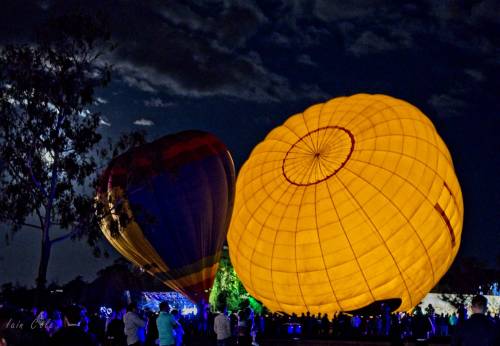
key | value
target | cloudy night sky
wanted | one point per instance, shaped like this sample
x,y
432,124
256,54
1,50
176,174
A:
x,y
240,68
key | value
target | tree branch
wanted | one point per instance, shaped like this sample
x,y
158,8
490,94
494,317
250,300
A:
x,y
31,225
53,184
35,181
40,217
75,231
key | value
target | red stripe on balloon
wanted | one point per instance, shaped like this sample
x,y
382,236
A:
x,y
178,150
447,221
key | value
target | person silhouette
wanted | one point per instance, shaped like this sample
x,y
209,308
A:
x,y
478,330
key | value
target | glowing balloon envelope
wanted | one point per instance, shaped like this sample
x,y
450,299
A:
x,y
178,194
352,202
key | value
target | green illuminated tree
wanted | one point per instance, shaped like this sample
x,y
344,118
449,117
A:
x,y
228,289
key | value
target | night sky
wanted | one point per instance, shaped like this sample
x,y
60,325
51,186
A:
x,y
240,68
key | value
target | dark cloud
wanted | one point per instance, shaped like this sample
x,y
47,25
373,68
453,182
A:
x,y
144,122
104,121
279,39
447,105
369,42
347,10
248,50
475,74
193,49
306,60
157,102
100,101
472,26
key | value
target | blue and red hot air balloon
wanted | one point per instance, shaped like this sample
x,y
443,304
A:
x,y
178,195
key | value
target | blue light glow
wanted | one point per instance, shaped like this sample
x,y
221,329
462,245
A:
x,y
152,300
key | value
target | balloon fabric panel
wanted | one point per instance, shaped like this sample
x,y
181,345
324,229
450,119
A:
x,y
178,191
352,202
183,201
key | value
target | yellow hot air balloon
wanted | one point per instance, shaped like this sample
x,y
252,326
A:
x,y
352,202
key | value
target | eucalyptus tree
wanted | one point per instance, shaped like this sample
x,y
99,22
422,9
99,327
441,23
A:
x,y
51,145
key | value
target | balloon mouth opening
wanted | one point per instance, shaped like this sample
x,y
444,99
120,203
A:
x,y
378,307
318,155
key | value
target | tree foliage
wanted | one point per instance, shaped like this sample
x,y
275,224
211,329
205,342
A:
x,y
228,290
50,143
468,275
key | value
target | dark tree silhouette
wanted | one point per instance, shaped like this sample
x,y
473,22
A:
x,y
50,145
468,275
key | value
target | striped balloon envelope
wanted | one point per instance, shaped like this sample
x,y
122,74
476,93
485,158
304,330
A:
x,y
351,204
176,194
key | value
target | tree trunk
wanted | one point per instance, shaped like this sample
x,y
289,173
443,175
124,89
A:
x,y
46,224
44,263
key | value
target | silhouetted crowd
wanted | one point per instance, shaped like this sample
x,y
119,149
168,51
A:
x,y
74,325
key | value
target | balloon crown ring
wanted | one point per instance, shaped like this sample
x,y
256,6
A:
x,y
318,155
